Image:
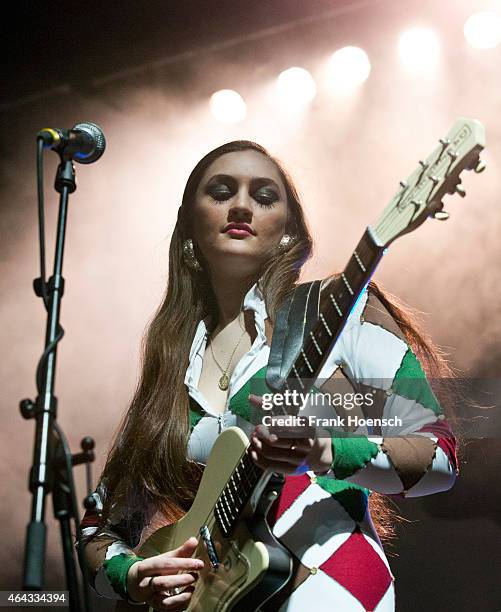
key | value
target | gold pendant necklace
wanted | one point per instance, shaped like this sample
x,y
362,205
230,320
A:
x,y
224,381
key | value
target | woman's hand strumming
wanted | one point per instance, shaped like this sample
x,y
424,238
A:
x,y
155,580
290,455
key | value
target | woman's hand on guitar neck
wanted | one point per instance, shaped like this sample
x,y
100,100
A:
x,y
290,455
154,580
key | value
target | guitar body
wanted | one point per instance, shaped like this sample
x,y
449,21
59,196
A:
x,y
253,564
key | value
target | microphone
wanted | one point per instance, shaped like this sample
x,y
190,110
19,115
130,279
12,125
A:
x,y
84,142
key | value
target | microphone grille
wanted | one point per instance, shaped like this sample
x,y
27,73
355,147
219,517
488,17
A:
x,y
97,136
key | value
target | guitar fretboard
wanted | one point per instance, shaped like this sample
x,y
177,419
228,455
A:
x,y
337,301
236,493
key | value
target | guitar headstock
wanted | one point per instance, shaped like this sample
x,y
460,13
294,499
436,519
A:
x,y
420,196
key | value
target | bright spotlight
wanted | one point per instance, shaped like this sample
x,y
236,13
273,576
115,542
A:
x,y
296,87
483,30
419,48
228,106
348,68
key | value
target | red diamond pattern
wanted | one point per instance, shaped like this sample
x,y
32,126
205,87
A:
x,y
359,569
292,489
446,439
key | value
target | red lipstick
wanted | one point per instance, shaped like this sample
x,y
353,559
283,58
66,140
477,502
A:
x,y
239,229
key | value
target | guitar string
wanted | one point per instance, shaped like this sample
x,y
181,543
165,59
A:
x,y
387,219
212,510
307,353
362,250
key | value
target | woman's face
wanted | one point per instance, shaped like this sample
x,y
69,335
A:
x,y
240,212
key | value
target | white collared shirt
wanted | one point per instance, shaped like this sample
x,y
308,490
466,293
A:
x,y
212,423
249,364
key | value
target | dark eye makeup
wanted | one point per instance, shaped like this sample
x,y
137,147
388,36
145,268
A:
x,y
223,187
266,197
220,192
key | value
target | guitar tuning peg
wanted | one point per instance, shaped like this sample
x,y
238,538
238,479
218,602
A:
x,y
480,167
441,215
460,190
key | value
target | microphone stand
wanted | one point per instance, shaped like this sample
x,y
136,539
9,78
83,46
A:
x,y
51,471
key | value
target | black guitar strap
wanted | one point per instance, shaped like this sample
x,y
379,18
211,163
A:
x,y
294,320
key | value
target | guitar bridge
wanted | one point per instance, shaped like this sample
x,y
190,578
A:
x,y
209,545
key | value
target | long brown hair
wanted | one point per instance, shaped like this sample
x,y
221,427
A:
x,y
148,462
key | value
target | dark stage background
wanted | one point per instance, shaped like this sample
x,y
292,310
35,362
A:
x,y
144,71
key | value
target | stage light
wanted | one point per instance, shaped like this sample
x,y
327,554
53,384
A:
x,y
419,48
295,88
228,106
483,30
348,68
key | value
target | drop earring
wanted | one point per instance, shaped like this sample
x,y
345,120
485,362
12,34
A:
x,y
190,259
286,242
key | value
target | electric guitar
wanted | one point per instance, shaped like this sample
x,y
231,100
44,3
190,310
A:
x,y
245,566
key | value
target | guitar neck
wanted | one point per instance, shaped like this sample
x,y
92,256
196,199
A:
x,y
337,301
